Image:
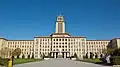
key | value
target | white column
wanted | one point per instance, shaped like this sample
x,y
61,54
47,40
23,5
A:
x,y
55,55
67,54
64,55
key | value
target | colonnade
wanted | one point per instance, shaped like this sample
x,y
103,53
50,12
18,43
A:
x,y
58,55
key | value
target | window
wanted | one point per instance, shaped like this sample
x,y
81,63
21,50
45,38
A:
x,y
59,39
66,46
65,39
56,39
59,46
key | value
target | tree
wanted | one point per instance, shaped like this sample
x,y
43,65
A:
x,y
18,56
28,56
49,55
96,56
101,55
13,57
16,52
43,55
75,55
5,51
86,55
23,56
91,55
32,56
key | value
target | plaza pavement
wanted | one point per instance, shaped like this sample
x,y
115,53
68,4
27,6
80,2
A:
x,y
59,63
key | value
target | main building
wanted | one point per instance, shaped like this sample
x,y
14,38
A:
x,y
56,44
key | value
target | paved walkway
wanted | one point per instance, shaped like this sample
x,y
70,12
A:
x,y
59,63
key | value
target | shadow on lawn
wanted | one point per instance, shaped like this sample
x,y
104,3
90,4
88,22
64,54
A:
x,y
103,64
100,63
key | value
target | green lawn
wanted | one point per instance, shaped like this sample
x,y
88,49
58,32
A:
x,y
92,60
20,61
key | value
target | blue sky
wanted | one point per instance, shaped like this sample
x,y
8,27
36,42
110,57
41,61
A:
x,y
24,19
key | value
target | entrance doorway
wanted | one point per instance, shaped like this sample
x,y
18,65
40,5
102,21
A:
x,y
60,55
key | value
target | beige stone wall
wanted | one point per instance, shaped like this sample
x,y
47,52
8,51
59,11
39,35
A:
x,y
118,43
96,46
26,46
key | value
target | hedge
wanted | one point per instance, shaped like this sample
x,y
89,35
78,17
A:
x,y
115,60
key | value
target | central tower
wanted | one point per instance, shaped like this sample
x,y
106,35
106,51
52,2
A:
x,y
60,24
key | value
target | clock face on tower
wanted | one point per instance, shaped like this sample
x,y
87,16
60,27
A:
x,y
59,18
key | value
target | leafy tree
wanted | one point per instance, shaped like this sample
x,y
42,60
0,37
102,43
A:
x,y
16,52
23,56
5,51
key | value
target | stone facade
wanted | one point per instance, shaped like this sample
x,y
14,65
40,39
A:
x,y
58,43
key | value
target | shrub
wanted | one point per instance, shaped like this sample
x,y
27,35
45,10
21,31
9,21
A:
x,y
115,60
4,61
